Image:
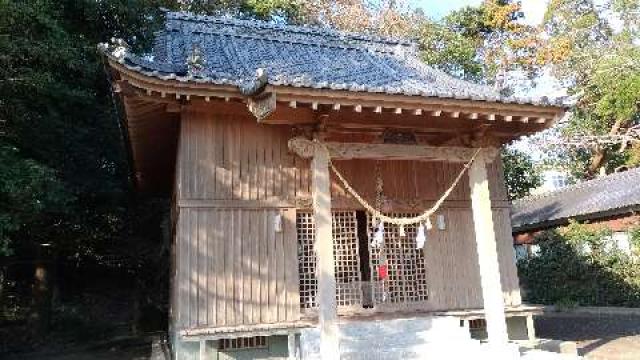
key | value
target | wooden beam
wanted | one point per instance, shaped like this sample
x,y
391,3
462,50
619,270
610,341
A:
x,y
487,252
230,332
345,151
327,306
268,203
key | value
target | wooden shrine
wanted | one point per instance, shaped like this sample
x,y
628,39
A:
x,y
241,122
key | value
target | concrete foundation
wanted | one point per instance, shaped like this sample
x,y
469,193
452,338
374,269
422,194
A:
x,y
395,339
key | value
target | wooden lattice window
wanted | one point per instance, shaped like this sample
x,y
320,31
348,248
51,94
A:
x,y
306,260
346,256
406,279
255,342
477,324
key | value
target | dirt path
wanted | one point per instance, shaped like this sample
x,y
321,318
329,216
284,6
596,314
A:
x,y
599,337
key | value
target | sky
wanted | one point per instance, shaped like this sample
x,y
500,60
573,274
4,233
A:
x,y
533,9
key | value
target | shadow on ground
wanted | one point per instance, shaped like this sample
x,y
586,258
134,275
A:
x,y
149,347
598,336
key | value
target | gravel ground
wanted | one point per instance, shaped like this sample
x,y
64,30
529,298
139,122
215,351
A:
x,y
599,337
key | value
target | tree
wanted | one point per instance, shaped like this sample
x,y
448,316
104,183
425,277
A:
x,y
480,43
521,176
601,65
63,170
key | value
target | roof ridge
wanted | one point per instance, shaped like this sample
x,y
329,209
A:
x,y
301,29
580,185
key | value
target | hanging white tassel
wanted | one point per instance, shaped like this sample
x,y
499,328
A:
x,y
402,233
428,224
378,236
421,238
277,223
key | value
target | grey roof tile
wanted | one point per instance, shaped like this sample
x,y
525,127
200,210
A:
x,y
605,194
300,56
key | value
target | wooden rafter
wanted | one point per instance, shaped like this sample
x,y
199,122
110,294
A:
x,y
357,102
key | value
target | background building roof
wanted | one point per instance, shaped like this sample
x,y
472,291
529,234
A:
x,y
306,57
604,196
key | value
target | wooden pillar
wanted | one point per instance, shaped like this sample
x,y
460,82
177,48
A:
x,y
292,346
487,251
327,315
203,350
531,330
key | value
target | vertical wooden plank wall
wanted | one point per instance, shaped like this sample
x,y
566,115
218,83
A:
x,y
234,158
234,175
232,266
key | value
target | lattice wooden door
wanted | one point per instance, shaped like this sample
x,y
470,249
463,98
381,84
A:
x,y
406,281
346,256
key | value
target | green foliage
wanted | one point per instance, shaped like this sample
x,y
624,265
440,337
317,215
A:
x,y
449,51
29,192
520,175
291,11
602,67
563,272
635,240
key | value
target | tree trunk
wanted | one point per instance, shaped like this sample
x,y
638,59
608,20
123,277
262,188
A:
x,y
41,312
2,289
600,155
136,310
597,160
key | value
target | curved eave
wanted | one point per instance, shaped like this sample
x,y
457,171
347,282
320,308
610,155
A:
x,y
191,88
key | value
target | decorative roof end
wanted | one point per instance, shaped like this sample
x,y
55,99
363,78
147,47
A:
x,y
196,61
255,85
117,48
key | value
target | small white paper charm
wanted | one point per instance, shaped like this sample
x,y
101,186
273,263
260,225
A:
x,y
378,236
277,223
402,233
428,224
442,225
421,238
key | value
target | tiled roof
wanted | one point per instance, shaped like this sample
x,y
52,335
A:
x,y
305,57
607,194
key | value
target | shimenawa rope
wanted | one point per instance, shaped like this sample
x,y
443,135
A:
x,y
403,220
